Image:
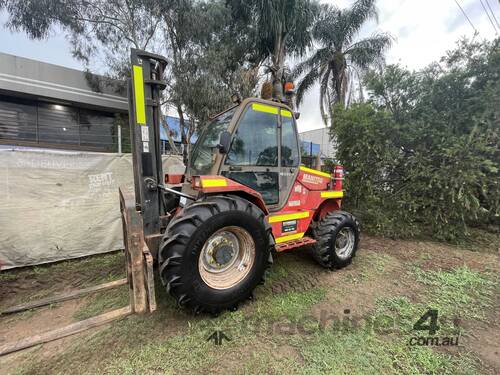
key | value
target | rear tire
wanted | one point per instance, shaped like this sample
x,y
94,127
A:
x,y
214,253
337,236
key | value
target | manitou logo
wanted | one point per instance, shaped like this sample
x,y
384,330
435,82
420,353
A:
x,y
312,179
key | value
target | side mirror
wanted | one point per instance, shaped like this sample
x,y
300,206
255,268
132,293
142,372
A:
x,y
224,142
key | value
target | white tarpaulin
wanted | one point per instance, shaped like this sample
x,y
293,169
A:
x,y
58,205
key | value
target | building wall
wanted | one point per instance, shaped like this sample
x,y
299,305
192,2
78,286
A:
x,y
28,122
321,137
46,105
25,77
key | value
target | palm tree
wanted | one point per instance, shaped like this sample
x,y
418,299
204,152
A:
x,y
278,28
340,57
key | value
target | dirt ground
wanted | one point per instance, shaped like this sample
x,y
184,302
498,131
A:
x,y
304,319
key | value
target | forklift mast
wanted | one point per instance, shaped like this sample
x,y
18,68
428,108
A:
x,y
144,88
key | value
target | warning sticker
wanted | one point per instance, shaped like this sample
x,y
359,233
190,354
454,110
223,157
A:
x,y
289,226
145,133
145,146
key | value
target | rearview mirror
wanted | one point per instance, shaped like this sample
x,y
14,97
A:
x,y
224,142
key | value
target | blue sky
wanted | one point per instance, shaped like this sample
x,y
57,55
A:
x,y
423,30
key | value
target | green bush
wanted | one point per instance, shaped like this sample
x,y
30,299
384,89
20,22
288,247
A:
x,y
423,154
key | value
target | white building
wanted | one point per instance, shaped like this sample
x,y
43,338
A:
x,y
319,137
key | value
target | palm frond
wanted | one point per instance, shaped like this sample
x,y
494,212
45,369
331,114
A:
x,y
324,97
328,28
367,51
320,57
360,12
306,83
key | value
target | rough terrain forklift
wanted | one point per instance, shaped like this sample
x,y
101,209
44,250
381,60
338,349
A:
x,y
244,194
212,229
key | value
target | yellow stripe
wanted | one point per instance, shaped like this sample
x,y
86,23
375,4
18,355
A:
x,y
332,194
290,237
140,108
213,182
264,108
314,171
294,216
286,113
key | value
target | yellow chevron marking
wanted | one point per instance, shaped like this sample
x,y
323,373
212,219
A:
x,y
284,217
314,171
332,194
290,237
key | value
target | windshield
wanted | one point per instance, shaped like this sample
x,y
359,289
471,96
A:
x,y
205,149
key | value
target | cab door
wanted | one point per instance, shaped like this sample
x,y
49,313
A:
x,y
289,154
253,157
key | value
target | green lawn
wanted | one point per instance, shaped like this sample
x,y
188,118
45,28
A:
x,y
371,308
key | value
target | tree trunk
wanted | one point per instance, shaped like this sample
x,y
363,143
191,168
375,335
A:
x,y
278,61
182,129
191,130
338,87
169,137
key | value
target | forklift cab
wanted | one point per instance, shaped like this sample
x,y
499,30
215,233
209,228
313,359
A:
x,y
263,152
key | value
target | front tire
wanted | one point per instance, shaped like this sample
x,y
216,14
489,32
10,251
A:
x,y
337,238
214,253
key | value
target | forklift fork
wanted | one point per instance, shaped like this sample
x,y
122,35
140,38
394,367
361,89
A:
x,y
140,279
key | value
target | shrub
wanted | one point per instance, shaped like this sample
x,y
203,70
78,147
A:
x,y
423,153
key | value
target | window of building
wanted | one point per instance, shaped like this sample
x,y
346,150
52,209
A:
x,y
17,120
97,129
25,121
58,124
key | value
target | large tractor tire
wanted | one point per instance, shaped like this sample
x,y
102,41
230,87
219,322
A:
x,y
214,253
337,236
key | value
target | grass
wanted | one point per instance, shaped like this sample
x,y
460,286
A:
x,y
102,302
103,267
264,362
361,352
53,278
172,341
372,265
362,349
191,350
461,292
291,305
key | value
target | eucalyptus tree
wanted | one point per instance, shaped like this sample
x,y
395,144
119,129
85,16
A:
x,y
207,63
278,28
340,55
98,30
205,49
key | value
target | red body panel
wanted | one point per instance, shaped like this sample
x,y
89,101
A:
x,y
310,199
219,184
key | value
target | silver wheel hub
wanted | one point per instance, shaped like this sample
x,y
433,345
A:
x,y
226,257
344,242
220,251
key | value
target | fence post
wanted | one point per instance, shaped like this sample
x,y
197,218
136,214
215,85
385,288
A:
x,y
119,139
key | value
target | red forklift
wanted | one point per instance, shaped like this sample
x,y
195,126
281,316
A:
x,y
244,195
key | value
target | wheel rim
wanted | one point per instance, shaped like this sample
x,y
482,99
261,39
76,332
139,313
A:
x,y
344,242
226,257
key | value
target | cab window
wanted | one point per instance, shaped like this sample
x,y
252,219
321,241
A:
x,y
289,145
255,143
256,139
